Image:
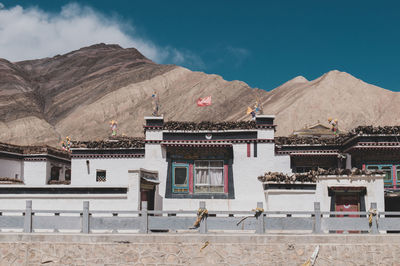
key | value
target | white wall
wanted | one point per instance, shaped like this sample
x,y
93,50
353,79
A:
x,y
116,171
35,173
289,200
11,167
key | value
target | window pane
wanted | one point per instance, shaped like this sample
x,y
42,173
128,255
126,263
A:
x,y
180,176
101,176
388,176
201,164
216,177
372,167
202,189
217,164
202,176
216,189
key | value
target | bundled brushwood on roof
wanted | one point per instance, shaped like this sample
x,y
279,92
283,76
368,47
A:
x,y
10,148
45,149
114,142
10,180
385,130
338,139
207,125
59,182
311,176
295,140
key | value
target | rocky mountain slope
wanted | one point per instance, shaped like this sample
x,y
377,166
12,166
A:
x,y
78,93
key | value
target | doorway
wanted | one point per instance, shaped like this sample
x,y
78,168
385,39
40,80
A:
x,y
347,202
147,194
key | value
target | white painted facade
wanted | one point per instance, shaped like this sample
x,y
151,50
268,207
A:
x,y
373,185
12,168
303,199
125,173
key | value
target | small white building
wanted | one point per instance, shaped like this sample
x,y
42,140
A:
x,y
333,192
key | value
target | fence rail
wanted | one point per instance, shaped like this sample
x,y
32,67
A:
x,y
145,221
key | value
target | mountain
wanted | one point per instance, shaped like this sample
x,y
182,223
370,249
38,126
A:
x,y
78,93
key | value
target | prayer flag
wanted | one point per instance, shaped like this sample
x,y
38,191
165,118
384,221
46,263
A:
x,y
249,110
204,101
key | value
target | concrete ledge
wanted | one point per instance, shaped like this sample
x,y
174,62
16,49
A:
x,y
352,239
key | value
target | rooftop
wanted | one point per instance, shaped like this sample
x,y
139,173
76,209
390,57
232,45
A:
x,y
312,176
33,150
207,125
111,143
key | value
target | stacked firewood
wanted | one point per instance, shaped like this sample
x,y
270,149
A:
x,y
338,139
112,142
10,180
294,140
10,148
59,182
207,125
45,149
311,176
375,130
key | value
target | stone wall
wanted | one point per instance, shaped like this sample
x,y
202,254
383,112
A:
x,y
155,249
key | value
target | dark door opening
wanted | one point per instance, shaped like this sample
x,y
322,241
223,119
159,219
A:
x,y
392,204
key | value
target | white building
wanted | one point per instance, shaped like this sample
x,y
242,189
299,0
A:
x,y
174,167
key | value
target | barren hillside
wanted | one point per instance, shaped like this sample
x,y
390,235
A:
x,y
78,93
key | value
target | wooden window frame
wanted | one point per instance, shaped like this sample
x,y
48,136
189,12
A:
x,y
180,189
386,183
224,177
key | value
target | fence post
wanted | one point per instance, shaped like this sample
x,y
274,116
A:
x,y
28,217
317,218
203,222
374,224
260,220
85,218
144,225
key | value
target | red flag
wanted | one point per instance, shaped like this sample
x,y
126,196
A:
x,y
204,101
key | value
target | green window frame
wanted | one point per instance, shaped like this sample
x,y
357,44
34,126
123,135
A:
x,y
180,178
387,168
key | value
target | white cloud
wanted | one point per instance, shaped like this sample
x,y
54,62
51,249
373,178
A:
x,y
31,33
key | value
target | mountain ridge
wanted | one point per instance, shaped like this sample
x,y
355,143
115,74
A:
x,y
78,93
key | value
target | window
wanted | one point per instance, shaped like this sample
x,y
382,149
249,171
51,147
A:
x,y
180,178
68,174
55,173
388,172
100,176
209,176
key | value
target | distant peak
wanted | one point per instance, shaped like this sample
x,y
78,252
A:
x,y
336,73
102,46
299,79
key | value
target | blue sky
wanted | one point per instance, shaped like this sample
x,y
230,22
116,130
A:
x,y
263,43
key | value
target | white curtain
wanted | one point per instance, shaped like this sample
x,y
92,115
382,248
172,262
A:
x,y
201,176
216,177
